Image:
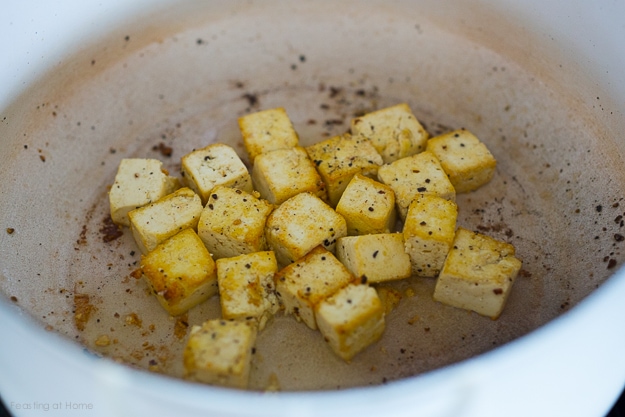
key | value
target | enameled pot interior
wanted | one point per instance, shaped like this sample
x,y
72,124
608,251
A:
x,y
556,195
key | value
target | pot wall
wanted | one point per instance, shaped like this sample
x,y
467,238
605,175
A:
x,y
532,47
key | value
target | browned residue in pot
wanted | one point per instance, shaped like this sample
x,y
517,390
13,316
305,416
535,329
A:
x,y
182,324
109,230
82,310
133,319
390,298
163,149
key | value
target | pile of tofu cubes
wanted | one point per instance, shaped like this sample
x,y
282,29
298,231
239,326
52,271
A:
x,y
310,231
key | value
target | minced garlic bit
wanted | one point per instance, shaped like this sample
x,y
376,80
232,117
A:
x,y
102,341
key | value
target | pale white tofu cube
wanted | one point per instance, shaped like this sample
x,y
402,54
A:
x,y
180,272
394,131
246,286
302,285
341,157
414,175
266,131
138,182
219,352
216,164
155,222
351,319
279,175
478,274
300,224
368,206
429,232
233,222
375,258
466,160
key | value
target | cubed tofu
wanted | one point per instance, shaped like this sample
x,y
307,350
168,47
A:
x,y
394,131
466,160
429,232
246,286
233,222
351,319
162,219
418,174
266,131
180,272
214,165
368,207
339,158
300,224
279,175
219,352
375,258
138,182
478,274
300,286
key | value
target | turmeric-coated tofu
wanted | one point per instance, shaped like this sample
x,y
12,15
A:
x,y
301,223
217,164
138,182
368,207
394,131
303,284
429,232
219,352
466,160
280,174
341,157
155,222
267,130
233,222
478,274
247,288
351,319
414,175
180,272
375,258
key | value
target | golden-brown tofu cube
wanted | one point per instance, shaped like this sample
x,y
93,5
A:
x,y
216,164
219,352
478,274
375,258
180,272
466,160
429,232
279,175
266,131
351,319
418,174
301,285
138,182
341,157
368,207
233,222
300,224
155,222
246,286
394,131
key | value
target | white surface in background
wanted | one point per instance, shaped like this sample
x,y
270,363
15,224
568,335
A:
x,y
36,35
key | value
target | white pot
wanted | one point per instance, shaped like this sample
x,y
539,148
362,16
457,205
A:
x,y
573,365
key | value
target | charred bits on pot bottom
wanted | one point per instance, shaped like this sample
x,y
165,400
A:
x,y
109,230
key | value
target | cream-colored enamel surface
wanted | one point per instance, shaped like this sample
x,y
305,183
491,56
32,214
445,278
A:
x,y
555,195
